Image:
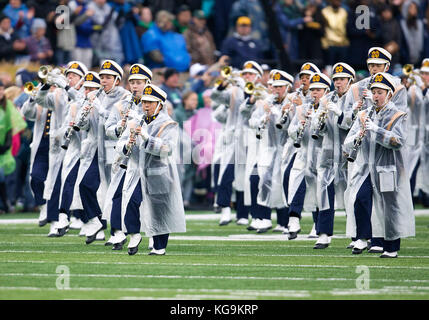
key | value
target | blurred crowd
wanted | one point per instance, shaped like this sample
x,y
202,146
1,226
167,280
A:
x,y
185,42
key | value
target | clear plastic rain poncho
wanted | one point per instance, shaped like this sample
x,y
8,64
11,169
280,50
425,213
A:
x,y
58,102
268,156
422,181
415,129
330,162
382,155
152,162
305,164
88,149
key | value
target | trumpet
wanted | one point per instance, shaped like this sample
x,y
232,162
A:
x,y
322,119
259,92
130,145
408,71
300,134
228,77
86,112
358,141
121,128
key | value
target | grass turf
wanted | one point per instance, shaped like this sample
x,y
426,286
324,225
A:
x,y
32,266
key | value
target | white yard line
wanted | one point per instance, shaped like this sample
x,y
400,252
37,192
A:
x,y
200,217
170,276
239,265
373,256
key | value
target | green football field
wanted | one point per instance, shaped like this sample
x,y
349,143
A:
x,y
207,262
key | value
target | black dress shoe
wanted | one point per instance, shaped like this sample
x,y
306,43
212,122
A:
x,y
62,231
119,245
388,256
321,245
358,251
43,222
262,230
224,223
250,228
292,235
350,246
108,243
132,251
91,239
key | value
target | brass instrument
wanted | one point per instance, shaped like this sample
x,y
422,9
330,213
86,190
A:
x,y
408,71
44,72
258,92
301,130
228,77
86,112
121,128
358,141
130,145
322,119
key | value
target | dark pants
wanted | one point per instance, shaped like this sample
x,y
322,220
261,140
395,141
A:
x,y
363,210
225,187
53,204
257,211
392,246
242,210
160,241
413,177
216,177
282,216
286,176
88,190
132,213
297,202
115,215
67,195
39,171
325,218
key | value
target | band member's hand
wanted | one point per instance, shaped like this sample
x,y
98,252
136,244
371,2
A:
x,y
370,125
357,105
267,108
286,107
333,107
297,100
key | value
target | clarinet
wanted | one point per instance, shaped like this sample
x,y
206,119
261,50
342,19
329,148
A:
x,y
285,114
358,141
70,130
130,104
263,125
300,135
368,87
86,112
124,161
322,120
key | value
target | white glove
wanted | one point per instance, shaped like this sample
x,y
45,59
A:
x,y
144,134
59,80
333,107
370,125
419,81
367,94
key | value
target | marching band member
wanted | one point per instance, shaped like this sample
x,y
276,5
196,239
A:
x,y
268,182
56,103
152,199
139,77
233,159
297,186
359,96
251,173
379,174
416,126
331,176
95,178
72,145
